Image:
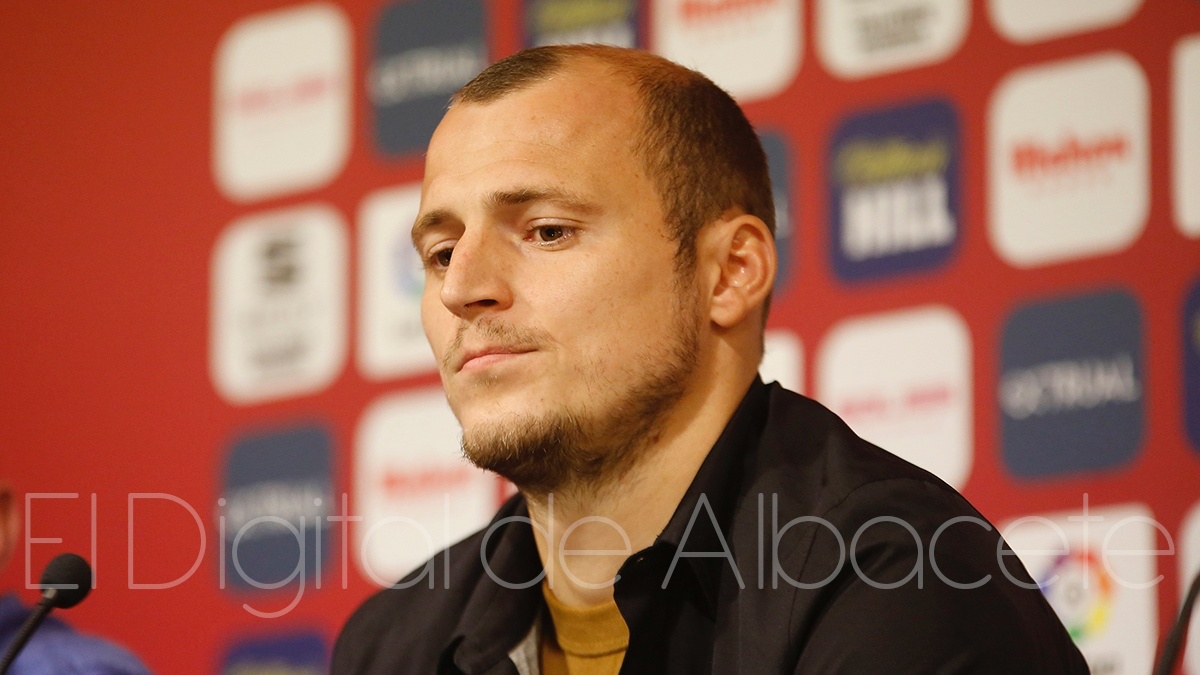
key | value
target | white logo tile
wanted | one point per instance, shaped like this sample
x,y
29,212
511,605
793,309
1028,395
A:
x,y
902,380
1185,143
414,490
870,37
1068,160
281,102
278,324
1034,20
783,359
1189,566
750,48
391,279
1098,569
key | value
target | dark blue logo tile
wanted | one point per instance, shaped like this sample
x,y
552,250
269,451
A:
x,y
278,491
612,22
779,160
894,199
1072,385
1191,365
424,51
290,653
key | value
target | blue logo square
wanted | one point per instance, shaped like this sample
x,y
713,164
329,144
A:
x,y
274,507
292,653
779,161
1191,365
425,50
894,203
1072,385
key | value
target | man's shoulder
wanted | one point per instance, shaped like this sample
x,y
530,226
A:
x,y
879,549
813,474
58,648
812,450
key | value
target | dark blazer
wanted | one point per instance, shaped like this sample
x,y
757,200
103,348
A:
x,y
799,547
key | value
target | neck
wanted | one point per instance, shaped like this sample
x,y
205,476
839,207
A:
x,y
625,514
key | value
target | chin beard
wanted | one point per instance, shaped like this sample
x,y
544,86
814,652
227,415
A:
x,y
587,450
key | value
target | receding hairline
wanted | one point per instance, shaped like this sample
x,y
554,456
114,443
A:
x,y
545,63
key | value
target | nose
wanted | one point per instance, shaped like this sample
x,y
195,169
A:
x,y
476,280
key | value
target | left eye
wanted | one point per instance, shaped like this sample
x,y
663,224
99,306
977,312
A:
x,y
550,233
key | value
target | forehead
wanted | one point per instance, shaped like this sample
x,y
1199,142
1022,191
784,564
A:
x,y
580,123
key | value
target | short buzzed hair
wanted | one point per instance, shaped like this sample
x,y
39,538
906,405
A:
x,y
695,142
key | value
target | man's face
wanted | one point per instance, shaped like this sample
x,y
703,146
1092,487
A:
x,y
562,331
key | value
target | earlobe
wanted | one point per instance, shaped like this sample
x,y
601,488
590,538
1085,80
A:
x,y
745,256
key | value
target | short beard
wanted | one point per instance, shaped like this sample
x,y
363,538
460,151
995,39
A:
x,y
584,451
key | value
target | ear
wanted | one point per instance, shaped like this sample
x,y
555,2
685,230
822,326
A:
x,y
10,523
744,252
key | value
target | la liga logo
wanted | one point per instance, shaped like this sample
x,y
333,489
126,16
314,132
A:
x,y
1080,589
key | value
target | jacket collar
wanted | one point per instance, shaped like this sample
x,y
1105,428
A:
x,y
702,521
507,599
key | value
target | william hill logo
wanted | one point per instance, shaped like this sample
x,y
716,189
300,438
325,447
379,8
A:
x,y
713,10
1072,386
895,198
563,17
568,21
894,190
1031,159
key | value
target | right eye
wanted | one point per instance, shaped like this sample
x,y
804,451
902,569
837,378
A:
x,y
440,258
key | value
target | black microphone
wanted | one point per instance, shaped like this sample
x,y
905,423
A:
x,y
1175,640
66,581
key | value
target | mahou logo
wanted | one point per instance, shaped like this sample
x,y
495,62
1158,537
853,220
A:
x,y
413,488
751,48
1068,160
1071,155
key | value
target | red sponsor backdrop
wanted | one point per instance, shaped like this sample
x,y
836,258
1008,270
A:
x,y
109,215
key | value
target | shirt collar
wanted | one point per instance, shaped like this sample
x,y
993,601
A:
x,y
497,616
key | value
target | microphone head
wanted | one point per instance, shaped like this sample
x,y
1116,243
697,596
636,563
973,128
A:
x,y
67,580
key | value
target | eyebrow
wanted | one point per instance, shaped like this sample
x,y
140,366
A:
x,y
502,199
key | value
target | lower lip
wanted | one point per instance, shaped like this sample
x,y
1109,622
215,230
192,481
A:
x,y
489,360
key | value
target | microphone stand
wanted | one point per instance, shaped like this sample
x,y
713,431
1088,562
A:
x,y
1174,643
44,606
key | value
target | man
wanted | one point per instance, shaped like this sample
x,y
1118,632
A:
x,y
597,230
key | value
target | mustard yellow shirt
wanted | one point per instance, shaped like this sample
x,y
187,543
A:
x,y
584,640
